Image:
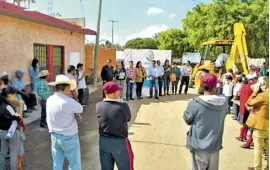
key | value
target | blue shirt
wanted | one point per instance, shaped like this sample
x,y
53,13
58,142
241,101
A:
x,y
19,85
177,72
153,71
34,73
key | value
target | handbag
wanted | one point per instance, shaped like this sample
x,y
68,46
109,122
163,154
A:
x,y
172,77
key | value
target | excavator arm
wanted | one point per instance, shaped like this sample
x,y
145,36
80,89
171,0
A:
x,y
237,59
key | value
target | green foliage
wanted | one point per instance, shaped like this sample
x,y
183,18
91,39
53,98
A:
x,y
175,40
216,20
142,43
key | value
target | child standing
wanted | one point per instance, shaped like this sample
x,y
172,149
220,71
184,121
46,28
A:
x,y
228,91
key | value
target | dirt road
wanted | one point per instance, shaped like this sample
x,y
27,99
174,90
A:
x,y
158,137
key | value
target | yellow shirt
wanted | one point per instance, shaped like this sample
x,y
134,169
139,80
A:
x,y
139,74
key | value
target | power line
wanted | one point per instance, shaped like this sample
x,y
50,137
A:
x,y
113,21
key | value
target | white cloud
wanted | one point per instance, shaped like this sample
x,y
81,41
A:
x,y
172,15
155,11
148,32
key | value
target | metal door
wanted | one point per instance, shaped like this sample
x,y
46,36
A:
x,y
41,53
57,55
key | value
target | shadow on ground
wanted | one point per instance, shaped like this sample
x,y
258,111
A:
x,y
37,144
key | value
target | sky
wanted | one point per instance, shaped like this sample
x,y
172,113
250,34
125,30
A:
x,y
136,18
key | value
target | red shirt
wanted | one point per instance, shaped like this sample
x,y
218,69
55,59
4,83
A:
x,y
245,93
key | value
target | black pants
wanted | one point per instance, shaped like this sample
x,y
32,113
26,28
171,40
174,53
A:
x,y
43,121
30,100
83,96
185,80
139,89
160,82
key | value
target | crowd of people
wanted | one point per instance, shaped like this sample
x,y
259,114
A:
x,y
16,102
162,77
249,97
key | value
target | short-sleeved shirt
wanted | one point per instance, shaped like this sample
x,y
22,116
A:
x,y
61,110
81,83
153,71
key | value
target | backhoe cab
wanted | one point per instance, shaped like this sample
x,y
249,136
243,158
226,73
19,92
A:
x,y
222,55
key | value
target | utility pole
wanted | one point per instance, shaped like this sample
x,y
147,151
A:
x,y
97,44
113,21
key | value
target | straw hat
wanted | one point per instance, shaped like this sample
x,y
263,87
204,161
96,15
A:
x,y
43,73
62,79
3,74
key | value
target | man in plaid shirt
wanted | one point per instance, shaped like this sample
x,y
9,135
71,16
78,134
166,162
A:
x,y
43,91
131,76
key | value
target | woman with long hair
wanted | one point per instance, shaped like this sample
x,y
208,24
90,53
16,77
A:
x,y
167,71
34,72
140,75
120,76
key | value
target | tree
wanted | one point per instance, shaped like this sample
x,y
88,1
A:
x,y
215,21
142,43
175,40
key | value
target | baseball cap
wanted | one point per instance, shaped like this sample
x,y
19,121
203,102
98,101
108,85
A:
x,y
19,72
209,81
111,87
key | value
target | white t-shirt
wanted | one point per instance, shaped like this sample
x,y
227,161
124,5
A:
x,y
227,89
81,83
237,89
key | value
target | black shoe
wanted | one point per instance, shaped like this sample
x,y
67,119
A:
x,y
138,98
141,98
44,126
160,95
25,115
131,99
150,97
156,97
168,94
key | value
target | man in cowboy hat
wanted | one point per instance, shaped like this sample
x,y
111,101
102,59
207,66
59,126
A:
x,y
43,91
61,111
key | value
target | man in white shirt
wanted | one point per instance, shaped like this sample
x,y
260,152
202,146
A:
x,y
186,72
154,73
160,77
82,88
71,74
62,111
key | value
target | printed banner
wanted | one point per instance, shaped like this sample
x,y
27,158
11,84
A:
x,y
146,57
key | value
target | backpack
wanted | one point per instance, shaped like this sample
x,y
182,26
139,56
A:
x,y
6,116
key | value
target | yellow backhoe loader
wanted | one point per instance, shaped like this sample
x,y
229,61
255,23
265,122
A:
x,y
236,60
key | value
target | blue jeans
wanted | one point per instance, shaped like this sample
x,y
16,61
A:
x,y
66,146
154,83
166,83
236,110
129,91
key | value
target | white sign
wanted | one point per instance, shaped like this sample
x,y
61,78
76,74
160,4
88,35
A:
x,y
74,58
194,58
146,57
